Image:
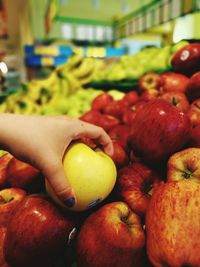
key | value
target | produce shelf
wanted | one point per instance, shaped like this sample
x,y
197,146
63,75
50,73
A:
x,y
124,85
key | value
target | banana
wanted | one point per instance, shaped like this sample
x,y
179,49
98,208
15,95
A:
x,y
25,106
12,99
74,84
74,61
41,91
64,86
85,69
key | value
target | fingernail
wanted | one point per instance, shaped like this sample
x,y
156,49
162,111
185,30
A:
x,y
70,202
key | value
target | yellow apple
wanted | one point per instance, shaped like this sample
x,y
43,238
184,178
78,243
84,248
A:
x,y
91,173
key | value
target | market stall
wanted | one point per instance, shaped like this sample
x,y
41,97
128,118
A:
x,y
133,69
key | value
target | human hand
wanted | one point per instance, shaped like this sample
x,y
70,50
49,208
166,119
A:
x,y
42,140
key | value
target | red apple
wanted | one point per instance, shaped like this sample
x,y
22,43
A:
x,y
101,101
149,81
128,116
195,137
187,59
131,97
37,231
4,160
3,263
119,155
184,164
116,108
113,109
91,116
158,130
135,184
194,112
172,224
107,122
178,99
23,175
149,94
9,199
2,238
193,89
111,236
174,82
120,134
139,105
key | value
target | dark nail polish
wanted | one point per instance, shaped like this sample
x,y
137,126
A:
x,y
70,202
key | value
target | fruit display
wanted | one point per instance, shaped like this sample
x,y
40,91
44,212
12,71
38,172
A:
x,y
139,208
152,59
50,95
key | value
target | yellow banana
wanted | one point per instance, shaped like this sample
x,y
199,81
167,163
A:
x,y
85,69
74,84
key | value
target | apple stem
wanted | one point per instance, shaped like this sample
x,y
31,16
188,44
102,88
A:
x,y
174,102
186,174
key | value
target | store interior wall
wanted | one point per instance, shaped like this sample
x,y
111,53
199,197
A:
x,y
25,20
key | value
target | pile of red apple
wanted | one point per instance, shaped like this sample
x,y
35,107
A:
x,y
152,217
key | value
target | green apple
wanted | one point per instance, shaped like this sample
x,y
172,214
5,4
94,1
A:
x,y
91,173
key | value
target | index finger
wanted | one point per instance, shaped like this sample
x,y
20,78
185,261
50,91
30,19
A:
x,y
98,133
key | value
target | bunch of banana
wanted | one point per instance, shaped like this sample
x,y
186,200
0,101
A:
x,y
51,95
80,71
19,103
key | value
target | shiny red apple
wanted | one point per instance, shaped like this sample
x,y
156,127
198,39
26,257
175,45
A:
x,y
128,116
187,59
119,156
194,112
2,238
131,97
120,134
172,224
107,122
111,236
92,116
174,82
37,231
9,199
149,94
195,137
116,108
158,130
177,99
135,185
193,89
101,101
22,175
3,263
184,164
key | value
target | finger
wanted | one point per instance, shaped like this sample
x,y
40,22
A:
x,y
109,149
55,175
103,138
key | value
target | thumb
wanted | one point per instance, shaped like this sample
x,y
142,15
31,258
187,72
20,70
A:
x,y
59,183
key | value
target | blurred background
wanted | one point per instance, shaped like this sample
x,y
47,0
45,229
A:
x,y
117,40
